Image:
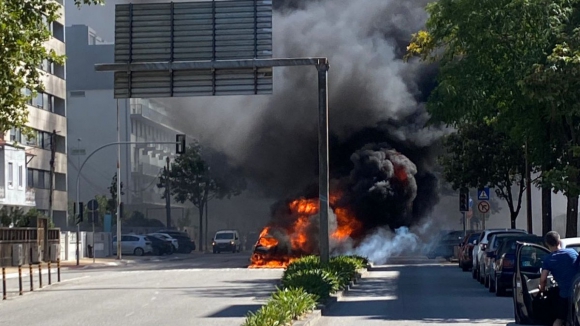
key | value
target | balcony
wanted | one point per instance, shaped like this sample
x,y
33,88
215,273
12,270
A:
x,y
146,111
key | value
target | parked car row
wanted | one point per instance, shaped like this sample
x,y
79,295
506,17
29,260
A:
x,y
164,242
510,261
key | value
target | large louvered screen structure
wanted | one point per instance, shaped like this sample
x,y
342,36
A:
x,y
193,31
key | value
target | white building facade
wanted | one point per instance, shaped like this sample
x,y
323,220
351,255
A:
x,y
93,123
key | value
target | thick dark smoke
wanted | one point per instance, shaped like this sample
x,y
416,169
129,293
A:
x,y
374,98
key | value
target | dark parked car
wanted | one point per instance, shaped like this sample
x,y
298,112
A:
x,y
466,251
501,275
530,306
186,244
160,247
445,244
490,255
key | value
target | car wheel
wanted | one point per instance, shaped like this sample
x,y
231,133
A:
x,y
486,281
138,252
491,285
474,273
499,291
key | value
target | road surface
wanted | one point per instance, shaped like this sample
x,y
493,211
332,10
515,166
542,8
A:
x,y
210,290
419,294
216,290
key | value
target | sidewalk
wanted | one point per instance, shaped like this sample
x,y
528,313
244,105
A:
x,y
12,271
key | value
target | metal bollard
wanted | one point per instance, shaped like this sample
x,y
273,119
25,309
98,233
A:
x,y
40,275
49,277
19,279
3,283
31,277
58,269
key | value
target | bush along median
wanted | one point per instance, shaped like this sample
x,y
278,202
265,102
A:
x,y
305,283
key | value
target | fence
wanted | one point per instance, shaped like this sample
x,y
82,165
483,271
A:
x,y
19,246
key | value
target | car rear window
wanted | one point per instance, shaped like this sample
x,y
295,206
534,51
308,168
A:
x,y
510,245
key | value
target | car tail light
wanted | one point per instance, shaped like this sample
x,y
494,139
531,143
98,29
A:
x,y
507,263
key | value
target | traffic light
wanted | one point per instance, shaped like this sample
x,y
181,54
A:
x,y
463,200
81,211
180,144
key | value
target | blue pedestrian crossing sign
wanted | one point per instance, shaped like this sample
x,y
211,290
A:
x,y
483,194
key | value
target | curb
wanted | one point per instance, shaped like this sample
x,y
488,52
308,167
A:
x,y
313,317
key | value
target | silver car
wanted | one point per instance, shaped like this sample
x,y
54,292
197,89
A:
x,y
132,244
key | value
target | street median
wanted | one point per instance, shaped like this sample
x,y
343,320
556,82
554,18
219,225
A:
x,y
307,289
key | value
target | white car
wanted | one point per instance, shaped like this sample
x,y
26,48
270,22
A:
x,y
133,244
168,238
226,240
479,250
573,243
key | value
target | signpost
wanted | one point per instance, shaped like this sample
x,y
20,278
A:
x,y
213,48
93,206
483,207
483,194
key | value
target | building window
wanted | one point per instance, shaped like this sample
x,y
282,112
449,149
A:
x,y
10,175
29,178
20,176
39,179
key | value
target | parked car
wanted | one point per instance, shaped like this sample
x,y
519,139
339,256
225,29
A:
x,y
489,255
226,240
502,276
530,306
160,246
186,244
444,245
478,250
132,244
466,250
573,243
168,238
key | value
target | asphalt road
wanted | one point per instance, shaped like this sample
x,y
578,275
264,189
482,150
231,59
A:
x,y
419,293
207,290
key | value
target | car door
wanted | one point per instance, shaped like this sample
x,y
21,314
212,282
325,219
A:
x,y
528,304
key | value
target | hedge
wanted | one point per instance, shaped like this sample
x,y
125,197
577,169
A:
x,y
306,282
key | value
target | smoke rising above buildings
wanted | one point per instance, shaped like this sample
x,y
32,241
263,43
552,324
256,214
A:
x,y
374,98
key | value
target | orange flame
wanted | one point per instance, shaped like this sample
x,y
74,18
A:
x,y
303,209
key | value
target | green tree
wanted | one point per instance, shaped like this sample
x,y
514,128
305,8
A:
x,y
555,84
23,33
112,201
486,51
192,180
480,156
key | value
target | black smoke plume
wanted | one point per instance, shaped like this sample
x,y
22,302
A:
x,y
374,98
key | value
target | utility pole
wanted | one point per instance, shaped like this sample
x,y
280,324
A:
x,y
51,193
119,236
167,195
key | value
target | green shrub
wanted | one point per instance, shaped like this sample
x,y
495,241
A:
x,y
319,282
362,260
303,263
345,269
284,306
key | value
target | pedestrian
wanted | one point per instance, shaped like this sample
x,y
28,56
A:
x,y
562,264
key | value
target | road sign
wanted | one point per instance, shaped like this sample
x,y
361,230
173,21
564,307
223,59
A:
x,y
193,31
93,205
78,151
483,194
483,207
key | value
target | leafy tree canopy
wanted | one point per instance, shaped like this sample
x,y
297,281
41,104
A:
x,y
24,31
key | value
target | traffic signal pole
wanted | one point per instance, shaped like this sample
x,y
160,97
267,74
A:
x,y
180,149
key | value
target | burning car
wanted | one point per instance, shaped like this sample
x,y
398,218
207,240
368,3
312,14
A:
x,y
271,251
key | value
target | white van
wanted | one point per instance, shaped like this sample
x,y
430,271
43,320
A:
x,y
226,240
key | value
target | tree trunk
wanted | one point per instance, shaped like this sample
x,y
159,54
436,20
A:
x,y
201,246
513,216
572,217
546,209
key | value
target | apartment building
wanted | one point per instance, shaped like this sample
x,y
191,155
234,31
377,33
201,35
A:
x,y
92,123
27,161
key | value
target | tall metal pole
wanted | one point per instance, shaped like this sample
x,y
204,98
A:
x,y
78,205
167,195
529,192
119,256
323,173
